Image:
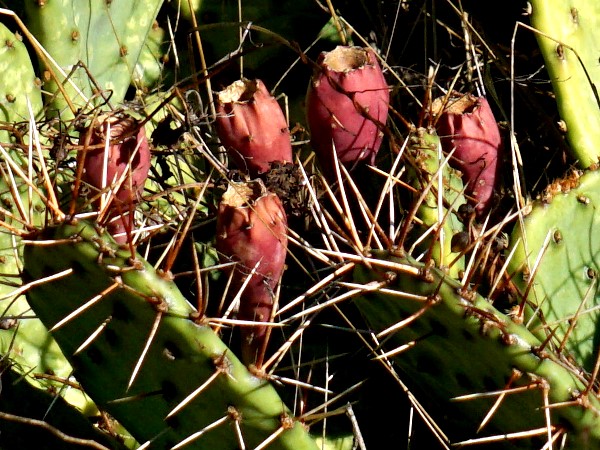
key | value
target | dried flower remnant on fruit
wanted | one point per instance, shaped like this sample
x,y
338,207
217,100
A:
x,y
466,124
122,171
346,105
252,127
251,230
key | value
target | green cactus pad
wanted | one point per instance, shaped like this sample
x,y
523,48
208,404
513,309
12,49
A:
x,y
19,84
425,150
459,344
561,231
570,44
24,340
108,37
127,299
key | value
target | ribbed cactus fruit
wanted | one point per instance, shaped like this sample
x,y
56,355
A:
x,y
438,195
139,354
106,36
347,106
467,127
459,355
20,88
555,266
569,42
116,161
252,126
252,233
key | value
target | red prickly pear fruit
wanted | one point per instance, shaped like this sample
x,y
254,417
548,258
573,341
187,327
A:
x,y
125,167
252,126
467,124
346,105
251,230
101,171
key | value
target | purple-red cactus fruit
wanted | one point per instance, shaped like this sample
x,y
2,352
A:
x,y
347,104
123,170
251,230
468,124
252,126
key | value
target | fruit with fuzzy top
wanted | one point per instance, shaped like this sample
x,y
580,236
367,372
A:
x,y
117,160
252,127
251,231
347,105
467,125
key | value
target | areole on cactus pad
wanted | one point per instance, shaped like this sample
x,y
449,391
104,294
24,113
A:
x,y
346,106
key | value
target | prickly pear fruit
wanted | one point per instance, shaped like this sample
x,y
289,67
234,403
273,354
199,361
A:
x,y
251,230
139,353
466,123
252,126
346,106
119,161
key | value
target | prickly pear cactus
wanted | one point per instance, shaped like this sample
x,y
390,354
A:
x,y
24,340
106,37
556,269
23,90
454,343
443,194
569,42
148,359
137,351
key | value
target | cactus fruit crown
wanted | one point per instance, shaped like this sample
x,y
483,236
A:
x,y
239,91
345,59
456,104
244,194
